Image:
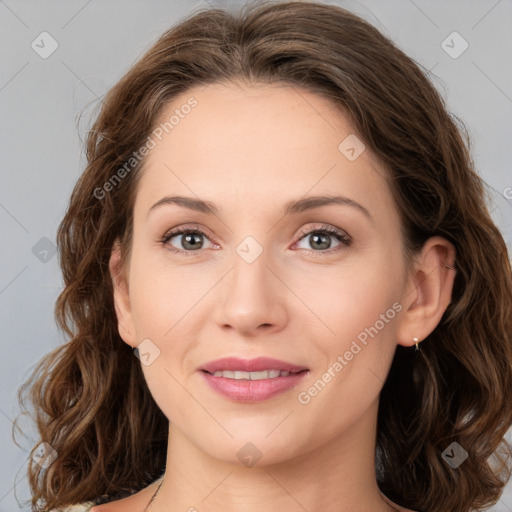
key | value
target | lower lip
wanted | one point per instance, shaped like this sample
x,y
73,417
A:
x,y
253,390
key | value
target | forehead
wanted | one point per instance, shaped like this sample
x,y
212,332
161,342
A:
x,y
250,143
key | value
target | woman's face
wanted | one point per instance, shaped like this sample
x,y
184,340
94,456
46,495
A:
x,y
263,278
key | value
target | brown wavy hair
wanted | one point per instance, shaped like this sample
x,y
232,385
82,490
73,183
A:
x,y
91,401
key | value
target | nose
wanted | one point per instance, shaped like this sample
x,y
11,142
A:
x,y
252,299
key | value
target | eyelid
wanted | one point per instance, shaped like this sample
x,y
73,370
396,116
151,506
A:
x,y
185,228
326,228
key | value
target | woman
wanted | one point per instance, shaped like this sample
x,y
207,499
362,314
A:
x,y
283,286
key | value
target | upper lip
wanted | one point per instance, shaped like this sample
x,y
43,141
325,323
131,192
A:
x,y
257,364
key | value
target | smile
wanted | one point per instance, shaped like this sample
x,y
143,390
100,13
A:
x,y
241,375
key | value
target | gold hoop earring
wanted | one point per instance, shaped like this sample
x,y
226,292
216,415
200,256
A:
x,y
416,342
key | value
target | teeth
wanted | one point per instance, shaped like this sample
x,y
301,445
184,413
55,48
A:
x,y
239,375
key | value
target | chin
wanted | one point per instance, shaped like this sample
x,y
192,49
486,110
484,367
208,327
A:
x,y
253,449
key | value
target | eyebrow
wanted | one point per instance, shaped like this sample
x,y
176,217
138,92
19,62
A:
x,y
290,208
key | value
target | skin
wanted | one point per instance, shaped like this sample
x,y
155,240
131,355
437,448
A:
x,y
249,150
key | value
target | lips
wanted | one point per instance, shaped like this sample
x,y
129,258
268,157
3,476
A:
x,y
252,380
258,364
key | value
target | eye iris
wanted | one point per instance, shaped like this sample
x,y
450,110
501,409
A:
x,y
314,238
190,237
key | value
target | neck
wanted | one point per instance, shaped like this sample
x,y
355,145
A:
x,y
338,476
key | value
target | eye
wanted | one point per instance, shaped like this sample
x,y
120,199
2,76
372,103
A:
x,y
320,239
190,240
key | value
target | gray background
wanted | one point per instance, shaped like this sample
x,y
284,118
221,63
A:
x,y
41,154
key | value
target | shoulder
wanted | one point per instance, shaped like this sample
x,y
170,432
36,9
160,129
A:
x,y
82,507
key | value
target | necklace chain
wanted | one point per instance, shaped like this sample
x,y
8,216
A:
x,y
154,496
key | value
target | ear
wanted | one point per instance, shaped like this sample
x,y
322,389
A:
x,y
428,291
122,305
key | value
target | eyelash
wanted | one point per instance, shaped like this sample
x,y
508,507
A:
x,y
331,230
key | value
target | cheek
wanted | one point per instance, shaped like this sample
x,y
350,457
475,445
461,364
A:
x,y
359,314
361,311
154,295
343,301
167,299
